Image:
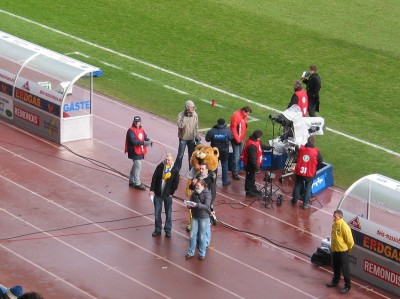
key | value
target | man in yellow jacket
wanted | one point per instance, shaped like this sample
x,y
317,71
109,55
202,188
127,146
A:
x,y
341,243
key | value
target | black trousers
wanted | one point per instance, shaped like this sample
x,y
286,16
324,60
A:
x,y
340,262
250,181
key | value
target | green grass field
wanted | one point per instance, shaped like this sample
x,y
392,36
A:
x,y
236,50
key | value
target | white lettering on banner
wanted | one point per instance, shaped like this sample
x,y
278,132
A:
x,y
25,115
49,95
7,77
74,106
382,272
317,182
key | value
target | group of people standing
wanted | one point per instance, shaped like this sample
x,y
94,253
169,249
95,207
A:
x,y
165,179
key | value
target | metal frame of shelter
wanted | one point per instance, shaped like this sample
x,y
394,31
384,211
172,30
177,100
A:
x,y
371,207
36,91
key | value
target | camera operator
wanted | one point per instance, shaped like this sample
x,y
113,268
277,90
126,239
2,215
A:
x,y
188,132
309,159
252,157
299,97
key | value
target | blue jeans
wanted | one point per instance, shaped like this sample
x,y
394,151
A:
x,y
224,158
181,152
198,226
302,183
237,151
134,175
208,233
158,201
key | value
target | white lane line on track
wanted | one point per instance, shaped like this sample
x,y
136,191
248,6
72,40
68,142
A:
x,y
186,78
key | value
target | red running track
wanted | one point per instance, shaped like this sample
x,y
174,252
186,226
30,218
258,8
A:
x,y
71,229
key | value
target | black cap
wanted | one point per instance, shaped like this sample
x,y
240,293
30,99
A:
x,y
221,121
136,119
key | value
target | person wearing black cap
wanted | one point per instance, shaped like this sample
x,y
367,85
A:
x,y
252,155
136,144
220,136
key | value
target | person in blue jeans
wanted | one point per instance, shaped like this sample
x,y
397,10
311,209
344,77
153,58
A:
x,y
200,202
164,183
220,136
238,127
188,132
210,178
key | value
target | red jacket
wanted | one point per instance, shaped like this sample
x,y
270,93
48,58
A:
x,y
140,136
303,101
238,125
245,156
307,161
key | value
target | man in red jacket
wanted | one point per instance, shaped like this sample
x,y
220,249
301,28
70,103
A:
x,y
252,158
238,127
308,160
136,143
299,97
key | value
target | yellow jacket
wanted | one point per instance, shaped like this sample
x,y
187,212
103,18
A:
x,y
342,239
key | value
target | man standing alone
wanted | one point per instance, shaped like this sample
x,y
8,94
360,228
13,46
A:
x,y
342,243
136,143
238,127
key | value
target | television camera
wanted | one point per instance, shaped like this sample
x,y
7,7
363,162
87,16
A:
x,y
296,130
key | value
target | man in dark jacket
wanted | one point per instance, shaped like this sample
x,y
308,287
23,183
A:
x,y
136,143
220,136
164,183
313,82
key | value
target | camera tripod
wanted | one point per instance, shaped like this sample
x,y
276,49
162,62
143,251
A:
x,y
266,192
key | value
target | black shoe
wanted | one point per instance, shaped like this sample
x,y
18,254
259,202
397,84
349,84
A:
x,y
344,290
293,203
201,257
168,234
235,177
131,184
188,256
156,233
140,187
331,284
251,194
